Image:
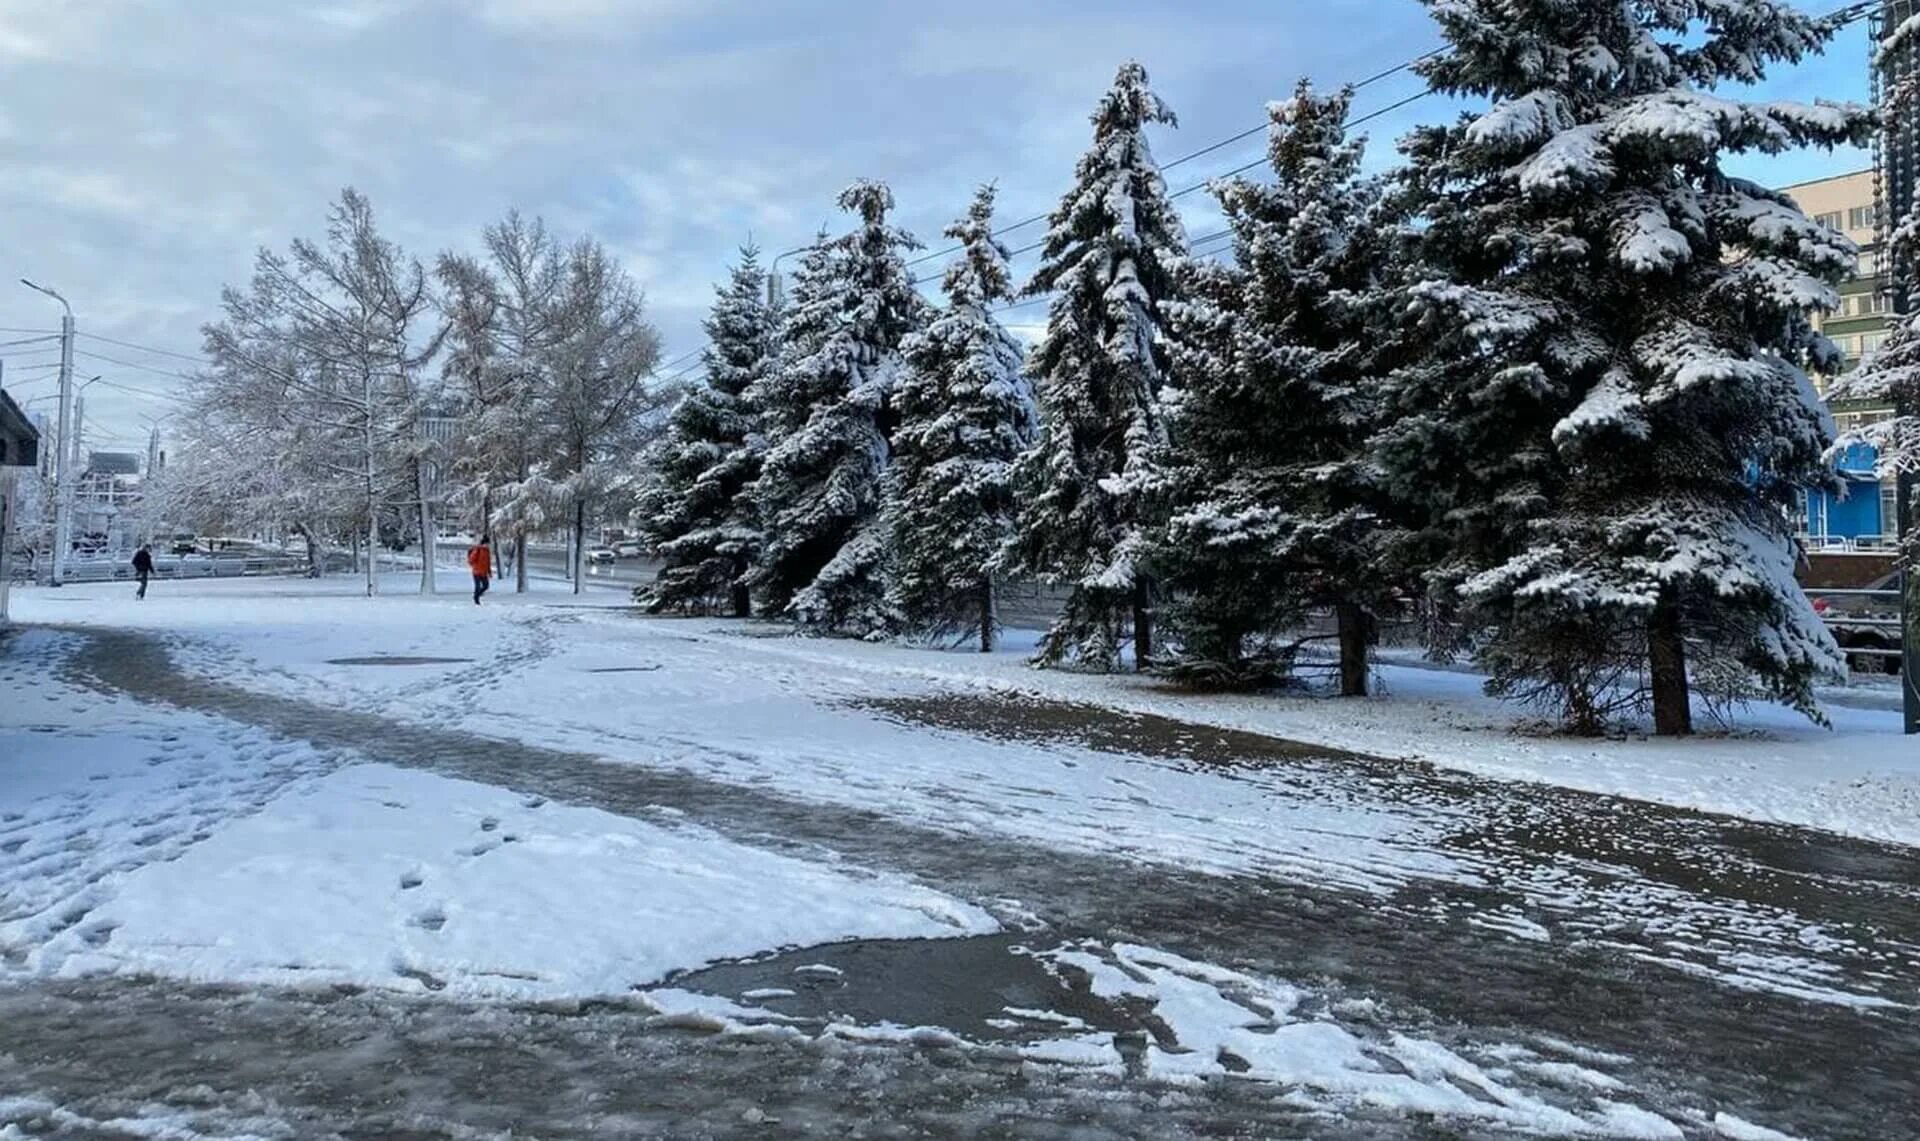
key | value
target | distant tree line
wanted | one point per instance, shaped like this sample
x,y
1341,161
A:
x,y
354,395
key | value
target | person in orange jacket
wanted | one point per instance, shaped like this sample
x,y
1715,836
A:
x,y
480,562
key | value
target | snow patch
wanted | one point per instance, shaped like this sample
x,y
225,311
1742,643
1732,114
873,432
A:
x,y
549,902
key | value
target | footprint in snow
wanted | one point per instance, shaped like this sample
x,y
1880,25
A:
x,y
411,880
489,824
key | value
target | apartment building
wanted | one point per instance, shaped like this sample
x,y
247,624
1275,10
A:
x,y
1863,517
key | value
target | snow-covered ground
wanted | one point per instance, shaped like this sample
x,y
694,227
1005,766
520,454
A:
x,y
1859,778
142,841
166,842
744,704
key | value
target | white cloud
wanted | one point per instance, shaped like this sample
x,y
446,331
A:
x,y
565,17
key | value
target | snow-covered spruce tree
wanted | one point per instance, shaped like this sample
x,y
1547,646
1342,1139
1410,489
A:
x,y
964,414
1113,254
1269,497
828,407
691,510
1610,413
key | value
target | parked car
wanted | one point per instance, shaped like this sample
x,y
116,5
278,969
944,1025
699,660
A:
x,y
598,556
184,543
627,550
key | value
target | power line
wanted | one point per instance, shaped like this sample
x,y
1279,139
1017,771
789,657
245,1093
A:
x,y
1203,184
1369,81
1376,77
146,348
130,364
681,359
137,391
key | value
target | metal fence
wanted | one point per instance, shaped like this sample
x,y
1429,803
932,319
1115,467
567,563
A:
x,y
1866,623
120,569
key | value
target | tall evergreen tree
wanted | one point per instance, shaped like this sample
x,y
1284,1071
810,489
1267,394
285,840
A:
x,y
1113,253
829,409
1611,410
1270,507
965,413
692,511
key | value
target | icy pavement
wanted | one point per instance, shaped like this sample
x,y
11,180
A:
x,y
1140,919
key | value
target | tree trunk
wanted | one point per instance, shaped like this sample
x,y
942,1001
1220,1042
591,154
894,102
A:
x,y
429,540
1142,622
373,552
1667,668
986,615
520,563
316,559
373,515
494,567
1352,621
579,545
742,598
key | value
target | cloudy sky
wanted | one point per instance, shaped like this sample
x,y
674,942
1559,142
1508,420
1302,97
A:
x,y
152,145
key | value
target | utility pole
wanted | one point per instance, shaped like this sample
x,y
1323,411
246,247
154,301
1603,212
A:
x,y
63,488
79,429
1907,504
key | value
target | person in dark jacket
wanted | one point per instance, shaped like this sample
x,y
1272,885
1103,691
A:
x,y
143,568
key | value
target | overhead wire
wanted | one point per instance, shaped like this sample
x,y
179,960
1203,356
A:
x,y
144,348
1376,77
93,356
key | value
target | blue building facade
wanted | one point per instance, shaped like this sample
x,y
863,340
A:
x,y
1862,516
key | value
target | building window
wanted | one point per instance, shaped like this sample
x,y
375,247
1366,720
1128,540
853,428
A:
x,y
1830,221
1875,303
1873,342
1869,263
1862,218
1889,509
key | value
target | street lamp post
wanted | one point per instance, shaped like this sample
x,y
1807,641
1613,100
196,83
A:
x,y
773,273
63,487
77,454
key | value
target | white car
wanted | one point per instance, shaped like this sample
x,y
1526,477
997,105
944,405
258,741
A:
x,y
627,550
597,556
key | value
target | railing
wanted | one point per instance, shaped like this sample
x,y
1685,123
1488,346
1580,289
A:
x,y
165,567
1866,623
1849,544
